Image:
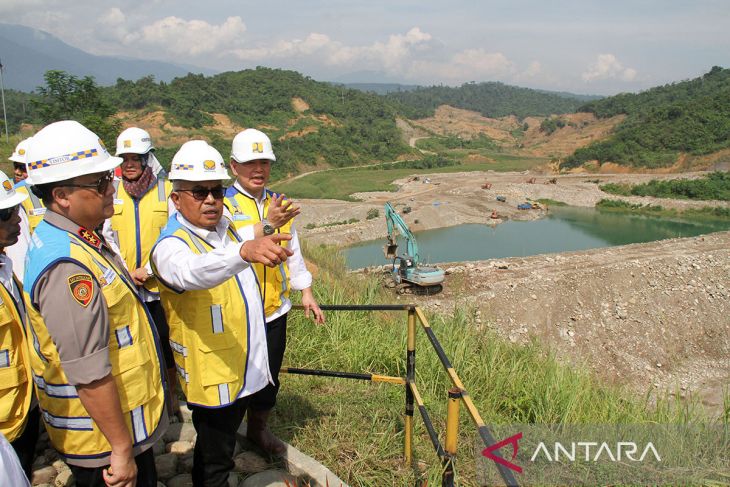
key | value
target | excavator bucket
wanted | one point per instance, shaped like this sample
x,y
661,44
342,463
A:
x,y
389,249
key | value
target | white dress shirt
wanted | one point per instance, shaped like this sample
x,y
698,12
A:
x,y
299,277
185,270
17,251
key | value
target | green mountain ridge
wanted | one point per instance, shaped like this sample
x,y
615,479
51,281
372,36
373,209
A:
x,y
491,99
335,126
685,117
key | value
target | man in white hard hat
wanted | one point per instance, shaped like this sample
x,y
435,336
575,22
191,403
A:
x,y
140,213
95,358
31,212
18,159
33,206
256,212
213,306
18,408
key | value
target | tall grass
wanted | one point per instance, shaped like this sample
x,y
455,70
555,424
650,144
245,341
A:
x,y
356,428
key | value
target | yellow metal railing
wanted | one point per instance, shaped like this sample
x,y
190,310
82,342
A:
x,y
457,395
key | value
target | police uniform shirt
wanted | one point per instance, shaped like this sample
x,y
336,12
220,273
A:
x,y
299,277
184,270
80,333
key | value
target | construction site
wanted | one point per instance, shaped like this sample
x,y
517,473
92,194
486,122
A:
x,y
652,316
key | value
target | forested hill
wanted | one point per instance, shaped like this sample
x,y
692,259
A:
x,y
686,117
490,99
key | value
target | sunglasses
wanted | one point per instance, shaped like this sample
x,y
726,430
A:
x,y
101,185
201,194
7,213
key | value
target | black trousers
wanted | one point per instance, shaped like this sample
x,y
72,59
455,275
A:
x,y
92,477
265,399
213,454
24,445
163,331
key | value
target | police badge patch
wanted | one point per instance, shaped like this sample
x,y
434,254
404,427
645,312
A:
x,y
81,288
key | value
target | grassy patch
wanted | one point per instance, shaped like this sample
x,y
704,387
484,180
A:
x,y
550,202
714,186
356,428
706,213
342,183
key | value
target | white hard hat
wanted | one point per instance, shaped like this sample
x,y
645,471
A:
x,y
134,140
64,150
8,196
251,144
197,161
20,150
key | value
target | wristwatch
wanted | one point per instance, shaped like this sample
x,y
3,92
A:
x,y
268,228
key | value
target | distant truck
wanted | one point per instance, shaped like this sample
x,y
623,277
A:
x,y
524,206
502,198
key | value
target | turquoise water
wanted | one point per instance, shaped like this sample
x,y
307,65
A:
x,y
563,230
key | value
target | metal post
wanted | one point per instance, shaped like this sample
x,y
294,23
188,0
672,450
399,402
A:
x,y
2,90
452,436
410,377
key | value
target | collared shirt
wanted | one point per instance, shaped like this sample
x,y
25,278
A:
x,y
181,268
80,333
6,278
299,277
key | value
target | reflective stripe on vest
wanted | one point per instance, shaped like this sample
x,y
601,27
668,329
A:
x,y
66,391
16,384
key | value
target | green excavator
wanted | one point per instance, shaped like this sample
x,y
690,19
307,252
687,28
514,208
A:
x,y
408,275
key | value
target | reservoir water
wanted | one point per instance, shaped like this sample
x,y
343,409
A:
x,y
564,229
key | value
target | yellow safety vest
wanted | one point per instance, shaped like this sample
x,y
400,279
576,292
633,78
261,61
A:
x,y
274,283
133,351
33,206
15,382
209,331
137,224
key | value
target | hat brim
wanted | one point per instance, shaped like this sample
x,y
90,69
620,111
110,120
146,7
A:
x,y
107,165
242,160
16,199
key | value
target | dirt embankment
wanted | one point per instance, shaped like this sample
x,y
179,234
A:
x,y
652,316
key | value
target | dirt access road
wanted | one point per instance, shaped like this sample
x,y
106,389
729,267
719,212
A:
x,y
650,316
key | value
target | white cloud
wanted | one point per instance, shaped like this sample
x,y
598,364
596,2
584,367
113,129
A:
x,y
411,55
534,69
608,67
194,37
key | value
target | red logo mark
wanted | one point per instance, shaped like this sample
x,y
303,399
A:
x,y
512,440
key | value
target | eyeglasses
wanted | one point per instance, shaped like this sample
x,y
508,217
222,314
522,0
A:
x,y
200,194
101,185
7,213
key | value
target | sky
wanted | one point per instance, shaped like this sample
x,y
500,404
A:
x,y
581,46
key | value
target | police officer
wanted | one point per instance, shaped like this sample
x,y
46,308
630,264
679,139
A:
x,y
95,356
18,408
256,212
140,213
213,304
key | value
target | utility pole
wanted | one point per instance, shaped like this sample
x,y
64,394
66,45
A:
x,y
2,90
